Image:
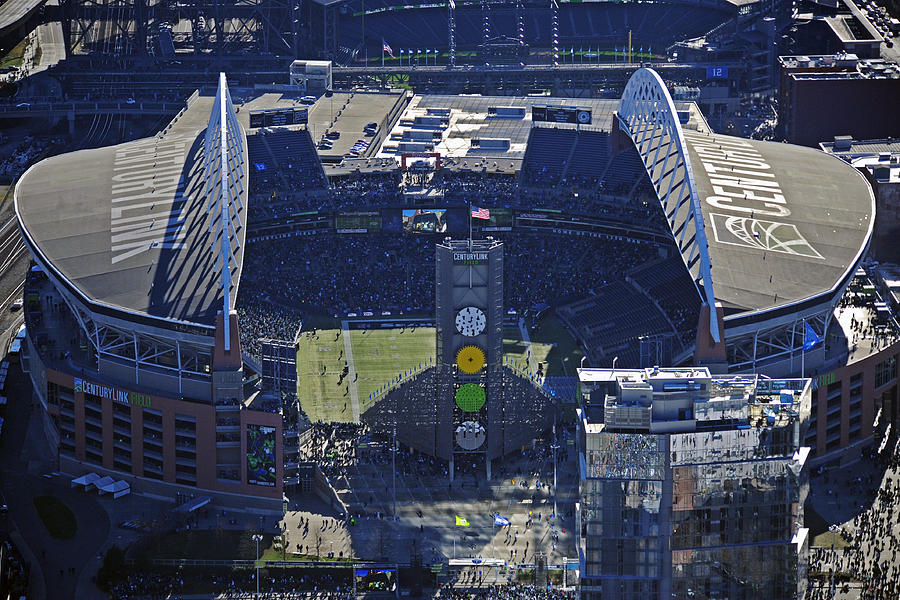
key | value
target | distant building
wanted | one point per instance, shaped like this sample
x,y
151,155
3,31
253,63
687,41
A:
x,y
691,486
311,76
821,97
879,161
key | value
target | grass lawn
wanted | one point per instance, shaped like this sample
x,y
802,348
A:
x,y
57,517
206,545
14,58
826,539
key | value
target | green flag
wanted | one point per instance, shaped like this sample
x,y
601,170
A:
x,y
462,522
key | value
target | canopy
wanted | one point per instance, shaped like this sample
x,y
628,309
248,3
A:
x,y
85,480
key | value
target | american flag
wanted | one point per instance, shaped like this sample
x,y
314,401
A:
x,y
387,48
480,213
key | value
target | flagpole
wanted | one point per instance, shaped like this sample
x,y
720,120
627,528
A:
x,y
470,226
382,53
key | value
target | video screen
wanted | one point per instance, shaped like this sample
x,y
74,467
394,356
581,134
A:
x,y
425,220
501,220
260,455
376,580
369,221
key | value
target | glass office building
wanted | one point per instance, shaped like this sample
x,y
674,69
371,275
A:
x,y
691,486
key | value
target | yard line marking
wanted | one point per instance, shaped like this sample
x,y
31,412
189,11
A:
x,y
351,374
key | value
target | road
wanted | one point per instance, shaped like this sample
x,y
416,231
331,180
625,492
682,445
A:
x,y
25,457
51,42
13,12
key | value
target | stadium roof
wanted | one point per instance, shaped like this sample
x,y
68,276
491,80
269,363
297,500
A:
x,y
129,226
803,221
760,225
471,118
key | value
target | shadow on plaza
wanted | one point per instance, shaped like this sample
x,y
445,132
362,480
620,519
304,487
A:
x,y
837,494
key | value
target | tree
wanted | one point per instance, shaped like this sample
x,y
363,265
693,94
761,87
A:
x,y
283,540
113,567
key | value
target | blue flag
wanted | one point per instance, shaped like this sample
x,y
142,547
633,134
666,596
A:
x,y
810,338
501,521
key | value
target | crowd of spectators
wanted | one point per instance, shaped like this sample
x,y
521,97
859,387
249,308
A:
x,y
261,318
482,189
225,583
283,192
332,446
342,273
24,153
331,272
866,323
336,448
551,269
366,190
505,592
869,558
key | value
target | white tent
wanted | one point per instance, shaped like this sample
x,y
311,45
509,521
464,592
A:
x,y
85,481
116,488
99,483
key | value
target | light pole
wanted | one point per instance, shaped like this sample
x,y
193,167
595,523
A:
x,y
394,469
257,538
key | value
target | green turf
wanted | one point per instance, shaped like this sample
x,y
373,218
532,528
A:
x,y
57,517
551,344
564,355
381,355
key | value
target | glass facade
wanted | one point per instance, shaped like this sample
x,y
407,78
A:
x,y
702,499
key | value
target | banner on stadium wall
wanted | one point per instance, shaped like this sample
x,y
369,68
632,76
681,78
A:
x,y
111,393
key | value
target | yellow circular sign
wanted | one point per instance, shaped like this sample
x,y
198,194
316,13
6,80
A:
x,y
470,359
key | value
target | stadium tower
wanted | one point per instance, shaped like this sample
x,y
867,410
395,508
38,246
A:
x,y
469,380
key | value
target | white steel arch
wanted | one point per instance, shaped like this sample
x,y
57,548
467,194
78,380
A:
x,y
647,114
224,167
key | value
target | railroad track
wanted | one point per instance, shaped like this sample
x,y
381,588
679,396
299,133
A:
x,y
12,250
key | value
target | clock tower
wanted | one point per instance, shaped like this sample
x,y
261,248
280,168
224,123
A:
x,y
469,381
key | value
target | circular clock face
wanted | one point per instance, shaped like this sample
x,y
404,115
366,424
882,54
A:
x,y
470,321
470,397
470,359
470,435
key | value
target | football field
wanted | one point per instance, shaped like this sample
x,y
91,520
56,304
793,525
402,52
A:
x,y
379,356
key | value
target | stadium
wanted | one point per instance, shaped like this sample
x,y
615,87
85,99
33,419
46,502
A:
x,y
162,265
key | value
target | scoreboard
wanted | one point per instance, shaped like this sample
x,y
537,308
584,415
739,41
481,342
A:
x,y
278,117
561,114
